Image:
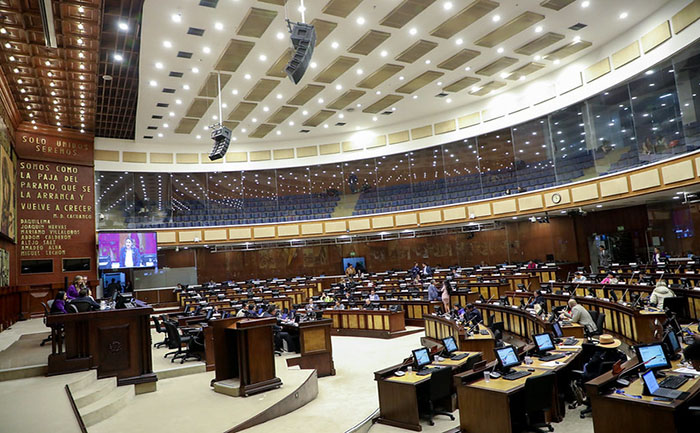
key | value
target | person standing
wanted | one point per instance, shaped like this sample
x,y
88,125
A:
x,y
432,291
129,256
446,295
603,257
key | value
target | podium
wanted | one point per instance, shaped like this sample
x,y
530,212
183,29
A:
x,y
314,346
244,356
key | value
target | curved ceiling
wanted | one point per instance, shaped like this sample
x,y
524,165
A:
x,y
375,62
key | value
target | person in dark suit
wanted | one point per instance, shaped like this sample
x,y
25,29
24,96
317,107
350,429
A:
x,y
473,315
278,334
129,255
84,302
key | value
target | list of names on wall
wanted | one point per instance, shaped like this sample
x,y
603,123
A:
x,y
56,205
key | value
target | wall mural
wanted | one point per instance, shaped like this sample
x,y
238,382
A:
x,y
4,268
8,176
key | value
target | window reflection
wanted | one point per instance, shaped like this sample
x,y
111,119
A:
x,y
534,166
427,177
461,168
573,155
497,163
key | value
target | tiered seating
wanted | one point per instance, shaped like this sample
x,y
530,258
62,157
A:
x,y
248,211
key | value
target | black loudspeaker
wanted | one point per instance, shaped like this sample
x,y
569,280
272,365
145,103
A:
x,y
222,138
304,40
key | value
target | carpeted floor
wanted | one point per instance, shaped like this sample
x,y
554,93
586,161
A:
x,y
25,352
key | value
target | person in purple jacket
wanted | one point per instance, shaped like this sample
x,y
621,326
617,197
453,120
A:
x,y
74,288
59,303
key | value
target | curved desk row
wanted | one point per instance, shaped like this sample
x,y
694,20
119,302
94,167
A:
x,y
438,327
366,323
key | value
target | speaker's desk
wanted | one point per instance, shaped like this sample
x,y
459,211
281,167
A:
x,y
491,407
314,343
398,396
640,413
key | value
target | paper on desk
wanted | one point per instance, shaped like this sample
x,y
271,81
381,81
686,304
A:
x,y
550,364
564,346
684,370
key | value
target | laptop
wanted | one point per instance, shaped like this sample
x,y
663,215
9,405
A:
x,y
651,386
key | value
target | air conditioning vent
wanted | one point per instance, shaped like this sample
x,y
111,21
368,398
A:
x,y
176,74
305,131
340,124
184,54
578,26
195,31
387,112
441,95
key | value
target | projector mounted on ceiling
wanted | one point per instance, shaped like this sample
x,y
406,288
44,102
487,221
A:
x,y
46,12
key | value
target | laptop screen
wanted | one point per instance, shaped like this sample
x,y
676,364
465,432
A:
x,y
650,381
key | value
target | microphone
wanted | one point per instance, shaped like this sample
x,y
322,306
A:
x,y
623,382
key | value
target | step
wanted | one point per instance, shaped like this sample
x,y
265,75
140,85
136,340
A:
x,y
94,392
107,406
85,380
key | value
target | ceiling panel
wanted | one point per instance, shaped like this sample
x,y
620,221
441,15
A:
x,y
198,107
422,80
497,66
526,70
540,43
487,88
323,29
345,99
461,84
262,130
318,118
281,114
510,29
337,68
556,5
379,76
236,51
242,110
567,50
416,51
340,8
464,18
261,89
186,125
458,59
277,68
383,103
405,12
210,89
368,42
305,94
256,22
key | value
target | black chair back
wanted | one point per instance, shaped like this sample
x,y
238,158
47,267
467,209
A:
x,y
440,383
174,341
599,323
594,315
539,392
156,322
676,304
498,328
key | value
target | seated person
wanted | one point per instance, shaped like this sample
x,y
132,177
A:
x,y
326,298
606,352
473,315
278,334
579,278
368,305
84,302
660,292
249,312
74,288
338,305
373,296
691,354
112,287
350,271
59,303
531,265
579,315
610,279
457,311
433,294
538,299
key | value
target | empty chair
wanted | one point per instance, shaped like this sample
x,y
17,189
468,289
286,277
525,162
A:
x,y
539,395
160,330
439,389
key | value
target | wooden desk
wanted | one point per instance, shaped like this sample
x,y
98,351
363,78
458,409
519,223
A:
x,y
437,328
398,396
366,323
639,414
314,346
515,320
115,342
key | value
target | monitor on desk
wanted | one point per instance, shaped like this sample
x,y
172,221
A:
x,y
421,357
544,342
653,356
450,345
671,342
557,330
507,358
650,382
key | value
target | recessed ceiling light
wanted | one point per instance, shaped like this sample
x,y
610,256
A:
x,y
649,72
413,31
504,74
557,61
304,112
313,65
280,35
218,26
195,70
3,30
254,120
341,115
338,87
320,100
360,20
81,55
447,6
401,77
234,91
577,39
81,66
206,50
623,15
81,9
522,78
468,68
123,26
186,86
165,125
198,136
378,92
247,76
459,41
118,57
500,50
172,114
374,118
266,109
427,61
176,18
159,65
160,134
334,45
448,100
80,41
262,57
439,83
359,71
291,123
384,53
538,29
279,132
359,105
538,58
178,101
301,8
7,45
325,126
496,18
153,83
12,58
585,4
224,105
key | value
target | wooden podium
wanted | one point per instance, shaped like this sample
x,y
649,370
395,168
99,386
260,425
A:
x,y
315,346
116,342
244,350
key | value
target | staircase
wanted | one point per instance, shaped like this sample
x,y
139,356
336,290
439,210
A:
x,y
345,205
98,400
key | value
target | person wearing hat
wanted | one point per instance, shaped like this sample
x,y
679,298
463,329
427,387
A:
x,y
605,356
579,278
660,292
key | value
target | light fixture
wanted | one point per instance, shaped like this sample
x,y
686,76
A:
x,y
334,45
427,61
172,114
176,18
623,15
159,65
320,100
538,58
585,4
234,91
262,57
359,71
291,123
313,65
496,18
538,29
459,41
280,35
304,112
413,31
178,101
557,61
577,39
384,53
123,26
360,20
247,76
500,50
12,58
81,55
338,87
279,96
153,83
206,50
266,109
118,57
447,6
218,26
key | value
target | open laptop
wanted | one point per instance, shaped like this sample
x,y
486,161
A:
x,y
651,386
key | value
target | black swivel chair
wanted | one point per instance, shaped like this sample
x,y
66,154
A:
x,y
678,305
176,341
160,330
439,389
47,311
539,393
599,323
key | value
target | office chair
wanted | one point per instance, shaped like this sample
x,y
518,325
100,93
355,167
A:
x,y
539,391
599,323
439,388
677,305
47,311
498,328
160,330
175,339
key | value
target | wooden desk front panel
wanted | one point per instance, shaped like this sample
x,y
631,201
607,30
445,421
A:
x,y
367,320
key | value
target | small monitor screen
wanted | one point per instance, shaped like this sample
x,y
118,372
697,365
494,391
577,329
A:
x,y
422,357
652,355
544,342
671,341
507,357
557,330
450,344
650,381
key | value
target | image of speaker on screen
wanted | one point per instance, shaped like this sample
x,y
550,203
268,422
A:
x,y
129,256
127,250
